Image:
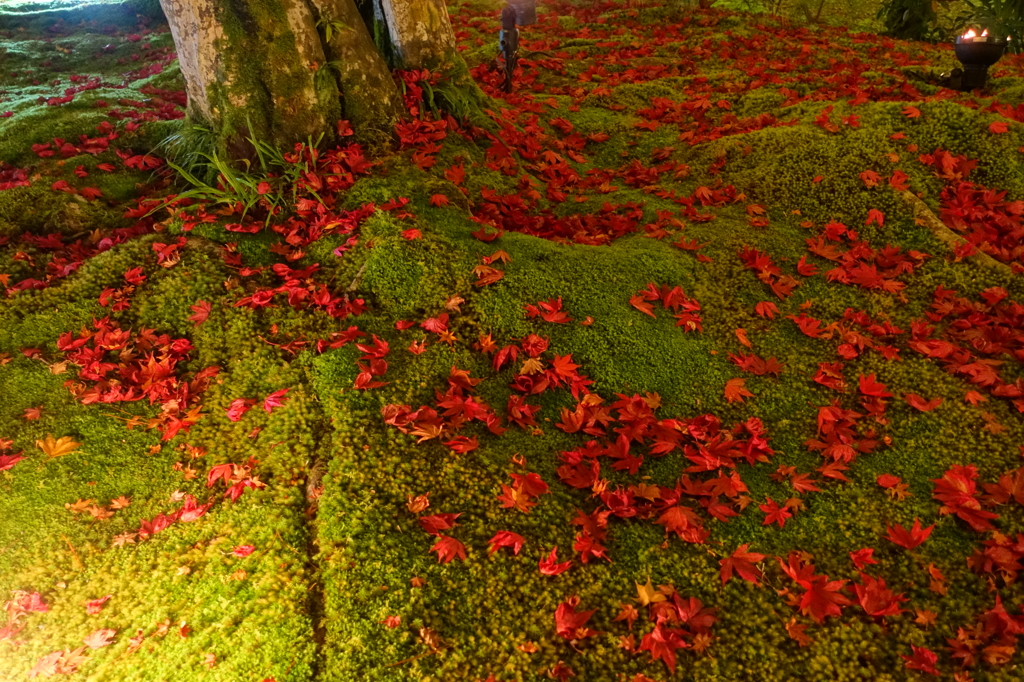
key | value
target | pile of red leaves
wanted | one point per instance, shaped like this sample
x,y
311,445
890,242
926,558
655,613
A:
x,y
117,365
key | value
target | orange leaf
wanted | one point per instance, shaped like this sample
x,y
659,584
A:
x,y
736,391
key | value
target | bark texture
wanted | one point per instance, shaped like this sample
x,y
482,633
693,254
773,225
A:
x,y
421,34
370,99
253,62
268,65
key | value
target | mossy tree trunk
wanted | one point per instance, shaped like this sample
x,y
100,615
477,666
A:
x,y
421,34
289,69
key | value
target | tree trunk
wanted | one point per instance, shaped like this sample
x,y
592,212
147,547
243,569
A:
x,y
421,34
371,101
264,65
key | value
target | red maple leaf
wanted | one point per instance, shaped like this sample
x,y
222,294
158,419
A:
x,y
863,557
766,309
463,444
563,366
876,599
663,642
908,538
742,562
774,513
448,548
504,538
238,407
219,471
643,306
550,565
870,178
868,386
201,311
919,403
923,660
93,607
8,461
956,490
569,623
898,180
736,390
275,399
438,522
823,598
888,480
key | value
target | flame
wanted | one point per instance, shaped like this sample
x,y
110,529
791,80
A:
x,y
984,33
970,34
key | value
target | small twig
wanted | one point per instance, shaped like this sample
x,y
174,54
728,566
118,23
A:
x,y
76,561
359,277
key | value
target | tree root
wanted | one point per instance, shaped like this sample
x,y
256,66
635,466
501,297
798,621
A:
x,y
924,217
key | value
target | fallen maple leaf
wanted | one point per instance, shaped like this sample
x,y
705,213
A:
x,y
46,666
876,599
8,461
448,548
923,660
238,407
735,390
275,399
569,623
647,594
796,632
550,565
487,275
742,562
100,638
438,522
57,447
766,309
774,513
863,557
919,403
504,538
998,127
93,607
823,598
908,539
642,305
870,178
201,311
870,387
663,642
120,502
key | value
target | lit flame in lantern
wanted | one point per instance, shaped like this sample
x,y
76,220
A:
x,y
970,34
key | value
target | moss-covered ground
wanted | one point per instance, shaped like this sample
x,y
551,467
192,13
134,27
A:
x,y
257,507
